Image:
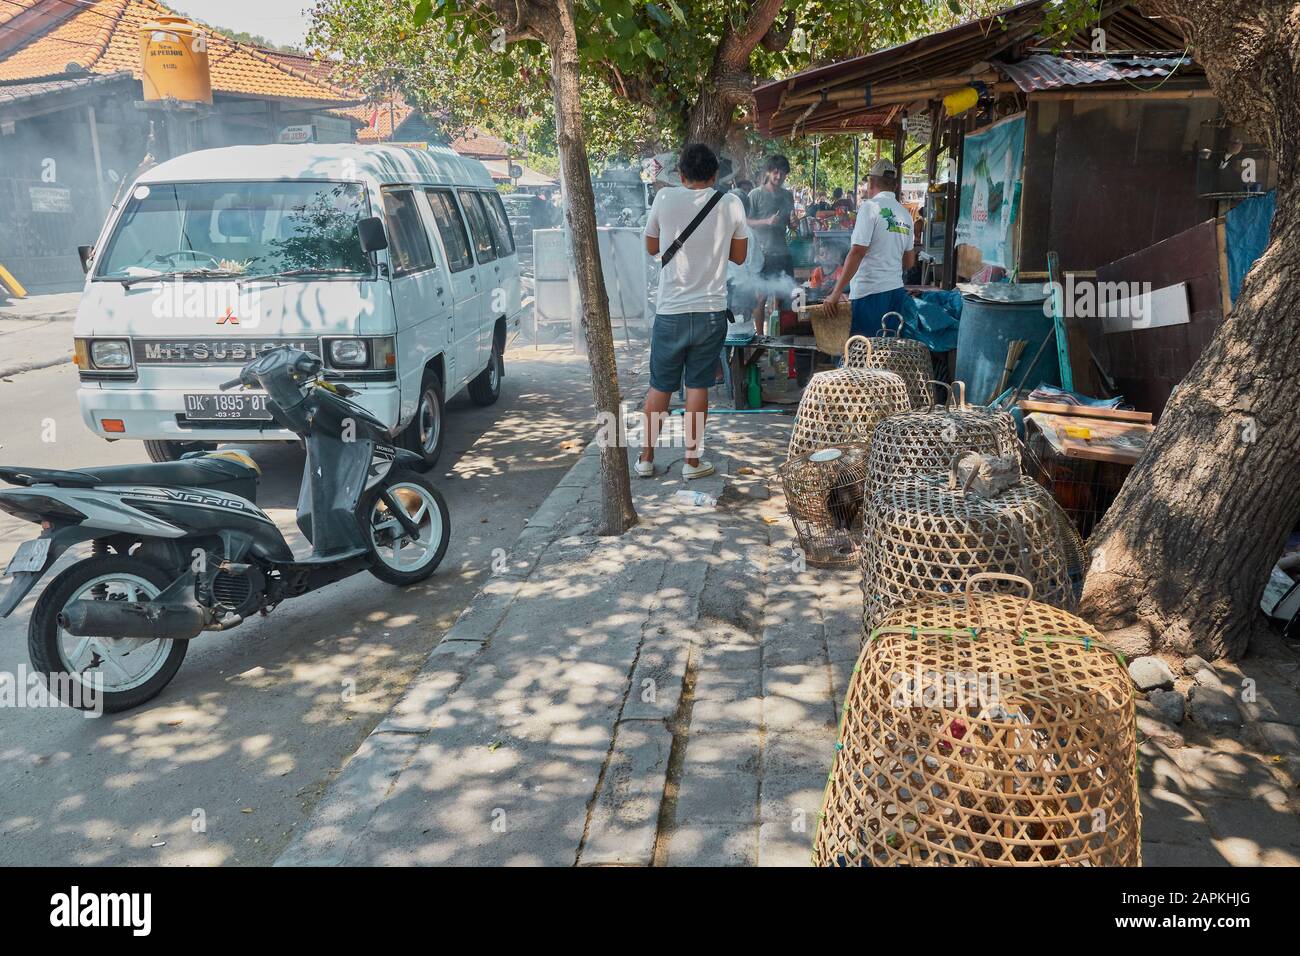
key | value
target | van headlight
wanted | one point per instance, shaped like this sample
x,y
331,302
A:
x,y
349,353
110,354
361,354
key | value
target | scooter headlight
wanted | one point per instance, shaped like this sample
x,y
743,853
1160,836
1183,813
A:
x,y
349,353
110,354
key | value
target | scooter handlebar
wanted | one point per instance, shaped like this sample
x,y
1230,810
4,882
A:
x,y
233,383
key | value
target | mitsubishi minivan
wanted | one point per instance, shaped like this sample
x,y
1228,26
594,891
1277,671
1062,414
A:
x,y
396,265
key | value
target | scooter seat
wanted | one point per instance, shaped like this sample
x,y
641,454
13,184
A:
x,y
218,471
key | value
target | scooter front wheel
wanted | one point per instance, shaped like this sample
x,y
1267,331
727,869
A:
x,y
405,551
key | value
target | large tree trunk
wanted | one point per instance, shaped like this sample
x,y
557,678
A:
x,y
617,511
1187,546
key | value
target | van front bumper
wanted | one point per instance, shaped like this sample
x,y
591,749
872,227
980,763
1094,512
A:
x,y
159,414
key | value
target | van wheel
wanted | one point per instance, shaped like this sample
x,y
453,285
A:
x,y
424,435
173,450
486,388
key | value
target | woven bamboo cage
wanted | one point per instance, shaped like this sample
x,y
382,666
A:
x,y
925,536
842,406
984,730
923,442
907,358
824,495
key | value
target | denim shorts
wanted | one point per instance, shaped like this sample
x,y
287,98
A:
x,y
870,310
687,341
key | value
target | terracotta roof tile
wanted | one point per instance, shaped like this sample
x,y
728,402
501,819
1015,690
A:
x,y
104,38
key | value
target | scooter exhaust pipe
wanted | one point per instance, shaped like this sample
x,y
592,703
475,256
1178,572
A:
x,y
137,619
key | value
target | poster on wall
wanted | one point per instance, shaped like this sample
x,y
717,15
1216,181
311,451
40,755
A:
x,y
992,169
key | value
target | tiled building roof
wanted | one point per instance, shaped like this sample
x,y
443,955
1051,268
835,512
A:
x,y
45,37
379,120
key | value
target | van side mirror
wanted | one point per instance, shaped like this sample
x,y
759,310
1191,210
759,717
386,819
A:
x,y
371,233
87,256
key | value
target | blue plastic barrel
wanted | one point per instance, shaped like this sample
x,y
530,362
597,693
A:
x,y
986,332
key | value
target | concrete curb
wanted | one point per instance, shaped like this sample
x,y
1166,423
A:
x,y
33,366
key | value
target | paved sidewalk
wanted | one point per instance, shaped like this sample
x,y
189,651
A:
x,y
543,727
670,697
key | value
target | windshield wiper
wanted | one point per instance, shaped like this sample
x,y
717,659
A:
x,y
128,281
310,271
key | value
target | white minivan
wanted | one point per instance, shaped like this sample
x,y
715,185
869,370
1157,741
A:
x,y
395,265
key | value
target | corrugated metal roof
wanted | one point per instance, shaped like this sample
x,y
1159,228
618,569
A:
x,y
1045,72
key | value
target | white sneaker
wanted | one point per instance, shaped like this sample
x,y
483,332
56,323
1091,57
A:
x,y
645,469
702,470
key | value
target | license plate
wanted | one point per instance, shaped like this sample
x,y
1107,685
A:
x,y
223,406
30,556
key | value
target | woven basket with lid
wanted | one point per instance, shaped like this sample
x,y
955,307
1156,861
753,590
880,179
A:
x,y
843,405
984,730
923,442
909,359
824,495
924,537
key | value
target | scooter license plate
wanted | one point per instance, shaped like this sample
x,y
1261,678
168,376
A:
x,y
224,406
30,556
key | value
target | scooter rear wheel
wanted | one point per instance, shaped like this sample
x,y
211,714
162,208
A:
x,y
90,672
397,557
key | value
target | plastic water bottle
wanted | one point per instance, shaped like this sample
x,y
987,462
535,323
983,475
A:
x,y
697,498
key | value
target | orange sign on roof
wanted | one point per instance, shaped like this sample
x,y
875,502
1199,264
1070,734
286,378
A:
x,y
40,38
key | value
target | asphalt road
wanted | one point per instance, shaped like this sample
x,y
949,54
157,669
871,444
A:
x,y
223,765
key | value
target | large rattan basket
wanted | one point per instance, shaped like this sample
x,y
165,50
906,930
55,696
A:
x,y
830,326
924,537
924,442
984,730
824,495
842,406
893,353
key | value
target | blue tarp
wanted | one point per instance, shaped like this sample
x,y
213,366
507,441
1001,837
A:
x,y
1246,230
934,320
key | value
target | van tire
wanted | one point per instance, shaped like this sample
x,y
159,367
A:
x,y
429,403
173,450
486,387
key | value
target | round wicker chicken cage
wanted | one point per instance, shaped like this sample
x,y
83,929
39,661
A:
x,y
924,537
984,730
843,405
907,358
825,498
924,442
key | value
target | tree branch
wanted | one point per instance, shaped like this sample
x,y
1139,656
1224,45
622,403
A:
x,y
737,45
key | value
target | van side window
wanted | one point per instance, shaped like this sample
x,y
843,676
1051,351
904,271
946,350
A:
x,y
407,241
478,226
496,213
452,229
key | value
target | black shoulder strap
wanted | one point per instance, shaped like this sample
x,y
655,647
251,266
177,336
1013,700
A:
x,y
671,251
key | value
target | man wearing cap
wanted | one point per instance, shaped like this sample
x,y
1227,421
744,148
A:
x,y
881,250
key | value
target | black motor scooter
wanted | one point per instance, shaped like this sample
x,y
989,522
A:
x,y
180,547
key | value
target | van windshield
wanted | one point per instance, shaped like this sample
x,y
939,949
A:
x,y
238,228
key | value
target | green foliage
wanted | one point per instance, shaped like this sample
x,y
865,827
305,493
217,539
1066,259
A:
x,y
644,62
446,68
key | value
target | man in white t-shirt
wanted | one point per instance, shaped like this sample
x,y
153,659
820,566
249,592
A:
x,y
881,250
691,309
